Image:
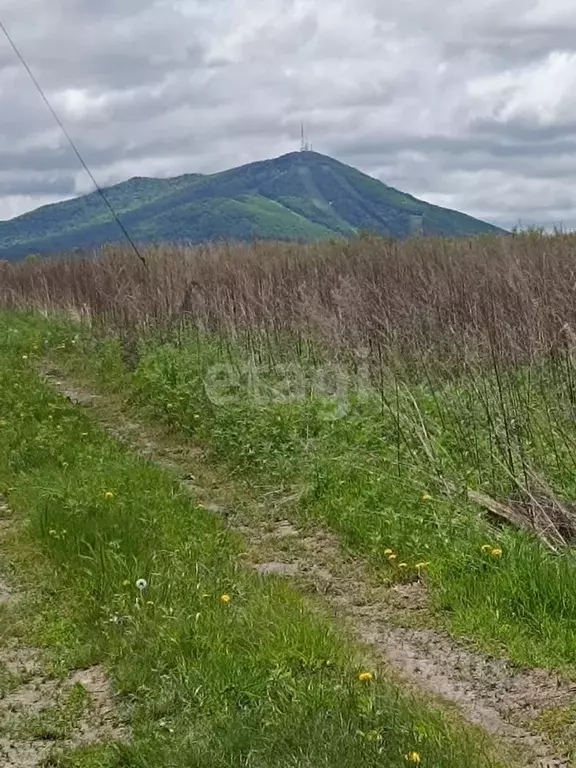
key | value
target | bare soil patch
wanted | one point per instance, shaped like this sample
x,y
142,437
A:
x,y
40,714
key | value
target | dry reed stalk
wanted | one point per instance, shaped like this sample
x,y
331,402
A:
x,y
509,296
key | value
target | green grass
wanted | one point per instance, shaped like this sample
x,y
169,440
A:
x,y
559,725
53,723
369,474
261,681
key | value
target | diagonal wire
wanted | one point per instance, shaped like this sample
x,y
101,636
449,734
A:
x,y
71,142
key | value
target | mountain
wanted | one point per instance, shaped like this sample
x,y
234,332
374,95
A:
x,y
300,196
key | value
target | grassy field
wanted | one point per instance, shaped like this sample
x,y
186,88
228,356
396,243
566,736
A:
x,y
392,483
215,666
383,386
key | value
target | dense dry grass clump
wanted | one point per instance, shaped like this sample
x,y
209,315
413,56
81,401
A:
x,y
509,297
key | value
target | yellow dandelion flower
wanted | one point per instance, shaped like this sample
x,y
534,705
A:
x,y
496,552
425,498
414,757
486,547
365,677
388,552
402,565
392,557
108,495
225,599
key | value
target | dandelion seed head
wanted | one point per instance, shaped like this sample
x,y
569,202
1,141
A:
x,y
142,584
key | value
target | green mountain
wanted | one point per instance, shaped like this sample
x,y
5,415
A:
x,y
300,196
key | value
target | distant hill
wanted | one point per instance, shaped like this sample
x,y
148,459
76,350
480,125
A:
x,y
301,196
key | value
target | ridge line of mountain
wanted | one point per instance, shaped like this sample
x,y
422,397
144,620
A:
x,y
300,196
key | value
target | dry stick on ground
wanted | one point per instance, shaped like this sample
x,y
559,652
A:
x,y
522,517
539,512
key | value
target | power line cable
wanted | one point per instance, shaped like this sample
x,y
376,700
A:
x,y
71,142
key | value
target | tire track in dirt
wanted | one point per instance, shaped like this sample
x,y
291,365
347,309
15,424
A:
x,y
489,692
32,701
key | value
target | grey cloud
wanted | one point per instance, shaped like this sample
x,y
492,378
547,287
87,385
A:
x,y
61,186
438,100
515,46
518,131
83,44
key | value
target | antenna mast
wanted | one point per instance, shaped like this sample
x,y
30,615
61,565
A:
x,y
304,146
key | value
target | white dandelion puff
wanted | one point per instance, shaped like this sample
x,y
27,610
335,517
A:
x,y
142,584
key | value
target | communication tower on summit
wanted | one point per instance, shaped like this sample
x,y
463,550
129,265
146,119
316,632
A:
x,y
304,145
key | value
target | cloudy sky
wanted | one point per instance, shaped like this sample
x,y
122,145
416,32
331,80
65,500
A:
x,y
466,104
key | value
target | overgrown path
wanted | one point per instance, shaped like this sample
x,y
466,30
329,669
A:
x,y
528,710
121,569
46,711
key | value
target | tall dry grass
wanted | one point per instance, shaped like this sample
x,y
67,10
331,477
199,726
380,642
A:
x,y
506,298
